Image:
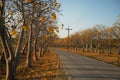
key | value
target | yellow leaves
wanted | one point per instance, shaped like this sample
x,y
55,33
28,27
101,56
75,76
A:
x,y
110,29
56,28
46,11
27,1
46,36
44,79
46,5
25,28
55,4
12,32
11,13
42,19
50,22
40,69
53,16
53,34
44,74
50,29
49,73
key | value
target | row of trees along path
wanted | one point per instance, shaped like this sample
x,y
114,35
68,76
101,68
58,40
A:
x,y
26,26
99,39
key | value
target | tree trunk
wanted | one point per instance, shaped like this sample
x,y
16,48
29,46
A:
x,y
44,50
34,52
83,48
5,44
102,46
87,48
2,58
109,47
99,49
45,47
10,75
29,52
40,51
18,50
91,46
24,47
8,55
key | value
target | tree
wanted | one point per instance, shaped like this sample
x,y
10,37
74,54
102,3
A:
x,y
10,57
17,17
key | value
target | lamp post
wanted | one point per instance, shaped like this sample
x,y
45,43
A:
x,y
68,37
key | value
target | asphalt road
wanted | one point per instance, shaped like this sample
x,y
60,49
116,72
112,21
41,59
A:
x,y
83,68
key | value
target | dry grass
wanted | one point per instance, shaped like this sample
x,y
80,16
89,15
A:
x,y
44,69
112,59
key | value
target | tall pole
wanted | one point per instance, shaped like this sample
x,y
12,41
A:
x,y
68,37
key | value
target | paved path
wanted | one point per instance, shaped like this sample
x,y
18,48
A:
x,y
84,68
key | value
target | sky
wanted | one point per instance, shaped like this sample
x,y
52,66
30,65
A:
x,y
83,14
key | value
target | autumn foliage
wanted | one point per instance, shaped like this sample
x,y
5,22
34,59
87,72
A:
x,y
25,28
100,39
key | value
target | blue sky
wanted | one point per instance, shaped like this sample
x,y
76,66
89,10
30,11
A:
x,y
82,14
